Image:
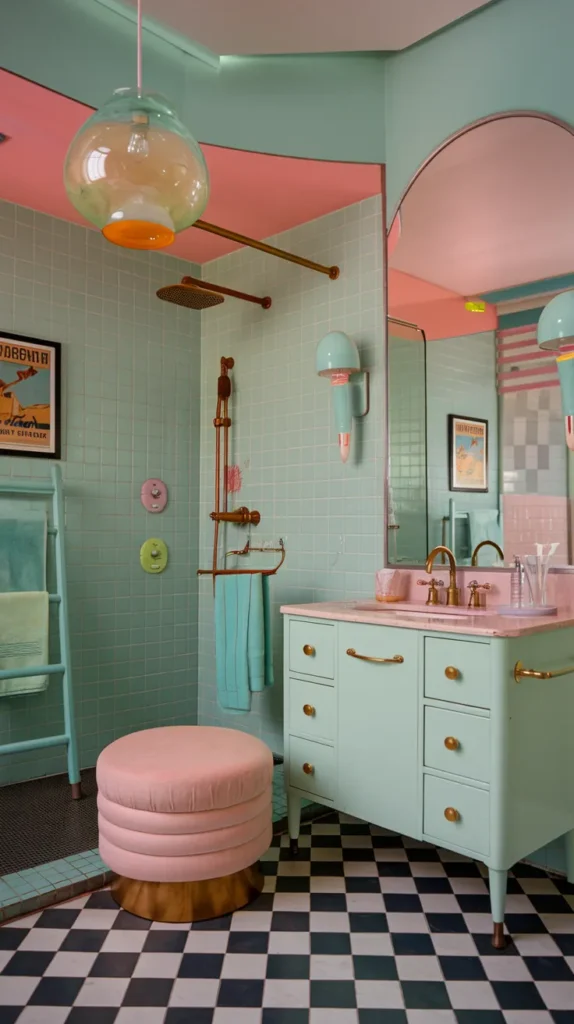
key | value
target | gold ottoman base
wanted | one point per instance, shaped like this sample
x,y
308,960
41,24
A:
x,y
180,902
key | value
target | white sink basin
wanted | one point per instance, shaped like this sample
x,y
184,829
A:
x,y
436,615
406,610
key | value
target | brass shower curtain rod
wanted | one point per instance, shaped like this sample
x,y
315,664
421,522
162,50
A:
x,y
271,250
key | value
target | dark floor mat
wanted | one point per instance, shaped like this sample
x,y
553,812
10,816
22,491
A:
x,y
40,822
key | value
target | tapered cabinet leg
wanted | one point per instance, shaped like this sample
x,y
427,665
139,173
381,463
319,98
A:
x,y
294,820
497,881
569,838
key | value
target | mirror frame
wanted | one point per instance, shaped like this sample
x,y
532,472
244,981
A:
x,y
387,224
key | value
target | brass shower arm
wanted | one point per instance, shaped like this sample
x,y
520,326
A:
x,y
234,236
265,302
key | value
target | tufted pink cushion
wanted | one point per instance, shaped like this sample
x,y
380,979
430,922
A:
x,y
184,803
184,768
162,823
188,844
184,869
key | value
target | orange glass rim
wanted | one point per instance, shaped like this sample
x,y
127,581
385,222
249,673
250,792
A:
x,y
138,234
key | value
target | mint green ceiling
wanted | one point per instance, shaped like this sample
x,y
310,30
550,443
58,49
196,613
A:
x,y
393,109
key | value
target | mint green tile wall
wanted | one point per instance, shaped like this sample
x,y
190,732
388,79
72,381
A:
x,y
461,378
130,410
329,514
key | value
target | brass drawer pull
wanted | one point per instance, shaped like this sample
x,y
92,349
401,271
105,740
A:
x,y
308,768
451,672
530,673
451,814
396,660
451,743
308,710
309,651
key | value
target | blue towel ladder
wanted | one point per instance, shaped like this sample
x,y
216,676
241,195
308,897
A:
x,y
60,597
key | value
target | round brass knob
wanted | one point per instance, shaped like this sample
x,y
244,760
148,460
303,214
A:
x,y
308,650
451,743
451,814
451,672
308,710
308,768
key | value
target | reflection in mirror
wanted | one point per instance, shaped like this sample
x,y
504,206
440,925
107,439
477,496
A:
x,y
476,446
406,410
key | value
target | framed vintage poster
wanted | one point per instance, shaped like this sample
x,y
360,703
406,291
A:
x,y
467,453
29,397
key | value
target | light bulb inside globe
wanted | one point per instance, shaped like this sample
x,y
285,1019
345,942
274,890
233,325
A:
x,y
136,172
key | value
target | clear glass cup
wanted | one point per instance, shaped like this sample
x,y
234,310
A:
x,y
536,573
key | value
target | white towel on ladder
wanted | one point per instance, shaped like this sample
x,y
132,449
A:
x,y
23,640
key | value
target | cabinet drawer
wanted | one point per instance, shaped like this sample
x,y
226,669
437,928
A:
x,y
312,648
457,671
320,781
471,829
311,709
466,751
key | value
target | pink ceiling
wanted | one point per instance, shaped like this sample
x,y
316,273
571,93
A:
x,y
494,209
251,193
441,313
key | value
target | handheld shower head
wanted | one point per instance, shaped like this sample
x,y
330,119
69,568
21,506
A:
x,y
196,294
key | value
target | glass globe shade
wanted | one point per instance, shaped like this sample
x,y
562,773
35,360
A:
x,y
135,171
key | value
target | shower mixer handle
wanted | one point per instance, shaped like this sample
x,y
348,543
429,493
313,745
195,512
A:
x,y
242,516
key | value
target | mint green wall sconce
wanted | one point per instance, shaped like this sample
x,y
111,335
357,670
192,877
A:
x,y
338,358
556,324
555,333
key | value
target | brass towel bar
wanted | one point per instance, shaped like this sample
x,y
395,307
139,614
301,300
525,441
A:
x,y
531,673
247,572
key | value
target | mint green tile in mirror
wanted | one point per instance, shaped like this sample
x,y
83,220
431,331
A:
x,y
511,486
130,412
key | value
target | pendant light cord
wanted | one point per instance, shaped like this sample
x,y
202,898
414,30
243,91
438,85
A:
x,y
139,47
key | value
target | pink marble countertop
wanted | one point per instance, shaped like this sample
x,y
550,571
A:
x,y
482,624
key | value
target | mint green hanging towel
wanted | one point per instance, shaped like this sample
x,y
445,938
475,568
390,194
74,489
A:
x,y
243,646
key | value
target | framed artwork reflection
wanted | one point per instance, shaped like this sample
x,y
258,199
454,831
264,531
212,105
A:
x,y
29,396
467,453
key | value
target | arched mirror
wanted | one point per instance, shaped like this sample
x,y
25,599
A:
x,y
476,447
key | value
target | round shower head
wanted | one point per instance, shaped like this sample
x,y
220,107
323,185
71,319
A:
x,y
191,295
197,294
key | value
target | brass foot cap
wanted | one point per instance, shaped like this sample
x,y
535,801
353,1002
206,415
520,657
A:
x,y
498,937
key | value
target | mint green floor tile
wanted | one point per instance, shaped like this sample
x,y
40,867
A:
x,y
7,895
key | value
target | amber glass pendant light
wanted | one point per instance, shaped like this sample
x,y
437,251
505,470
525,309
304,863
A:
x,y
134,170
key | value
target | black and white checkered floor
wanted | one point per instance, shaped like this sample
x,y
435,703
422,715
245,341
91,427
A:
x,y
364,928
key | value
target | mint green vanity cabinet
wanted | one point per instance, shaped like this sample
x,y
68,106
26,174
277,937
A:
x,y
429,734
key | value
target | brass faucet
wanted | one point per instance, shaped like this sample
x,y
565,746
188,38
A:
x,y
452,589
484,544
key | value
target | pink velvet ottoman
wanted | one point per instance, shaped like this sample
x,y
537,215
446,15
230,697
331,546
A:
x,y
184,814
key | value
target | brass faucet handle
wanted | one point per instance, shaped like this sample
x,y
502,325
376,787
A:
x,y
432,584
474,586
